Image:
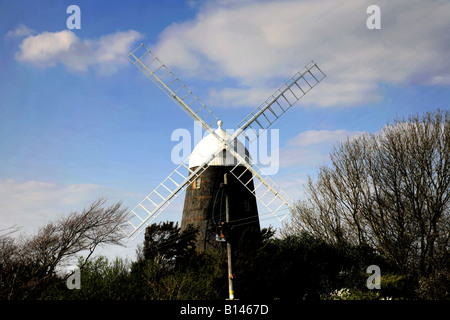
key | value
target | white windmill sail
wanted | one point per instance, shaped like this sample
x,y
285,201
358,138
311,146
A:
x,y
158,72
279,102
267,192
162,196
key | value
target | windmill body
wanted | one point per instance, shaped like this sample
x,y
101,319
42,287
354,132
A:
x,y
204,205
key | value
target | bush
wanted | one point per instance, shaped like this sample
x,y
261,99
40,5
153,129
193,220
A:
x,y
152,280
298,267
354,294
100,280
436,286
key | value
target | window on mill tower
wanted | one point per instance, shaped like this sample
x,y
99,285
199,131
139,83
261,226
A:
x,y
197,183
246,205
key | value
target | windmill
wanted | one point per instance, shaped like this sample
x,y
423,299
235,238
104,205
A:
x,y
265,190
205,203
243,169
215,147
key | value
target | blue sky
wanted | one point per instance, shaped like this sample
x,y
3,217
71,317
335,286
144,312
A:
x,y
78,120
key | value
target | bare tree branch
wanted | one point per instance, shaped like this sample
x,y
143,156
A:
x,y
390,190
34,259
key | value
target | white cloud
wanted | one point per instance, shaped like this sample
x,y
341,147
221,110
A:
x,y
21,31
312,147
31,204
104,55
236,97
47,48
313,137
262,43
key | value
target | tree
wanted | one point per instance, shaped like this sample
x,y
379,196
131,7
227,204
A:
x,y
389,190
29,264
170,267
165,242
101,279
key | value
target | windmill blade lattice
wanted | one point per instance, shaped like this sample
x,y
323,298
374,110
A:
x,y
160,198
283,99
158,72
163,195
267,192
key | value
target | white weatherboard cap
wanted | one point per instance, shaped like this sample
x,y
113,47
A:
x,y
209,144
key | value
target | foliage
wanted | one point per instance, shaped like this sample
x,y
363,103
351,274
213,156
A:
x,y
435,286
29,265
101,279
389,191
295,267
165,243
153,281
354,294
169,267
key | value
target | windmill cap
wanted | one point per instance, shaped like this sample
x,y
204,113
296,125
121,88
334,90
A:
x,y
209,144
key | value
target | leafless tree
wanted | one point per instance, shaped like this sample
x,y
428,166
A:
x,y
29,262
390,190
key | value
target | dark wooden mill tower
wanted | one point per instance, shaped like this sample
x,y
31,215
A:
x,y
204,204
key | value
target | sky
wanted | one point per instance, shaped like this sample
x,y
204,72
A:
x,y
79,121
